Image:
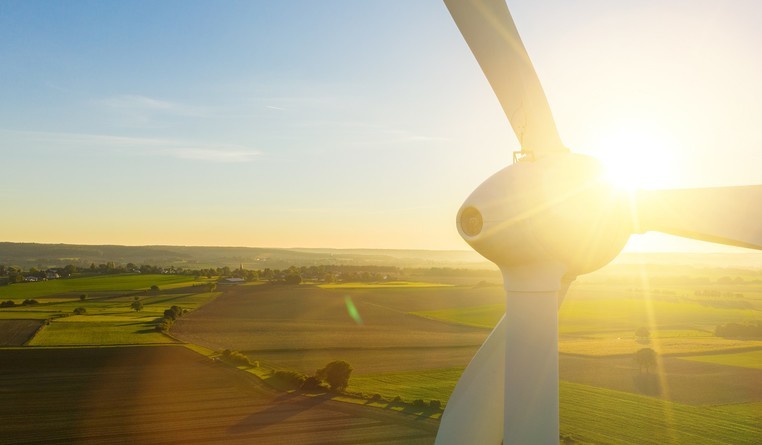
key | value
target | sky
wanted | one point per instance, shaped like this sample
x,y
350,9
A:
x,y
346,124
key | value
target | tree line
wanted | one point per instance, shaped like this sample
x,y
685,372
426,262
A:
x,y
739,330
292,275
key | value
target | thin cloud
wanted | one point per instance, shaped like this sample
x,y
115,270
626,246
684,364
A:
x,y
175,148
427,139
139,102
143,108
223,154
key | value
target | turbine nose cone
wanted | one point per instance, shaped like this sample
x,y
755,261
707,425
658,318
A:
x,y
555,209
471,221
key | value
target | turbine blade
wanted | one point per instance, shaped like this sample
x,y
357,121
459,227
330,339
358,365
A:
x,y
474,413
724,215
566,282
491,34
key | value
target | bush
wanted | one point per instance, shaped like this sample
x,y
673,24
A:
x,y
435,404
8,303
80,311
291,379
235,358
375,398
155,288
336,374
312,383
29,302
398,399
419,403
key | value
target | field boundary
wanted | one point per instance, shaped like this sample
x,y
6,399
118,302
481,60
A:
x,y
729,350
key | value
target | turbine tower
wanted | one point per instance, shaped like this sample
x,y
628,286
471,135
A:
x,y
544,220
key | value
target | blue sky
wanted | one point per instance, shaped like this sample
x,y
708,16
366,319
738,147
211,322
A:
x,y
343,123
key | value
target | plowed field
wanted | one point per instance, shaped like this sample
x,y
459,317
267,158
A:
x,y
169,394
17,332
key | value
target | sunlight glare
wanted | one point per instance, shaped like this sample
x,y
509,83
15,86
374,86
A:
x,y
636,157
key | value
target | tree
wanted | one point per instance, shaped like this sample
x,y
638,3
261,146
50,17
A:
x,y
69,269
336,374
137,306
83,297
173,313
293,278
80,311
155,288
646,358
642,332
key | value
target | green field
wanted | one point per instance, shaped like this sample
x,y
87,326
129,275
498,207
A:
x,y
101,283
751,359
383,285
593,321
80,331
109,320
597,415
430,384
478,316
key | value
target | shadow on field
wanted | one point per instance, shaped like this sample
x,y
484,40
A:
x,y
280,408
418,411
421,414
647,384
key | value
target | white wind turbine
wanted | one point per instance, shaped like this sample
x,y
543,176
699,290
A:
x,y
544,220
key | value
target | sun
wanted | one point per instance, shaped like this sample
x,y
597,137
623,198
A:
x,y
636,157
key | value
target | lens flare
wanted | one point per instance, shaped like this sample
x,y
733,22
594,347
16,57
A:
x,y
354,314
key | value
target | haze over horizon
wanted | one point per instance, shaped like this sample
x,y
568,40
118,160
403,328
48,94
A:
x,y
346,124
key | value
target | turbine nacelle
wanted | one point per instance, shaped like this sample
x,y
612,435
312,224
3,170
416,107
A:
x,y
554,209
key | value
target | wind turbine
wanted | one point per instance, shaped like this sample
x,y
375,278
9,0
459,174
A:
x,y
544,220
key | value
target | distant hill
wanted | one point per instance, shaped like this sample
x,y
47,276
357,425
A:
x,y
55,255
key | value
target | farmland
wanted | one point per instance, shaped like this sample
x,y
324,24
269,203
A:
x,y
415,341
96,285
172,395
158,394
407,339
108,318
17,332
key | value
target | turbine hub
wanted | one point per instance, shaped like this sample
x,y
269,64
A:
x,y
556,208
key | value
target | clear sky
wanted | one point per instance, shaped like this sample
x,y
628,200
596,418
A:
x,y
345,123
